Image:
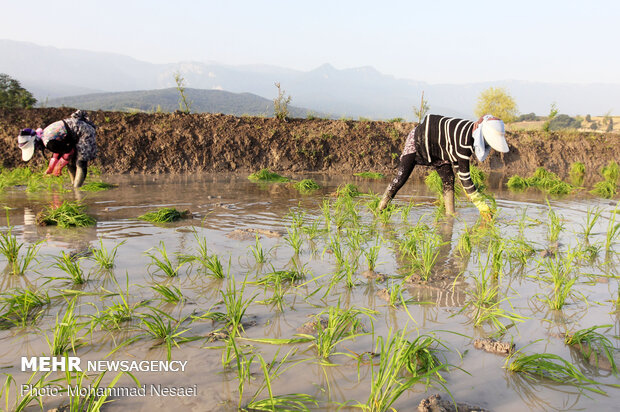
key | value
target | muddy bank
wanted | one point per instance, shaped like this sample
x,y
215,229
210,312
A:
x,y
181,143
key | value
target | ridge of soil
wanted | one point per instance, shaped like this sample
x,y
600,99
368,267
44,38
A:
x,y
189,143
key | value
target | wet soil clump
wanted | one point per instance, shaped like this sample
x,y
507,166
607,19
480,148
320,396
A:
x,y
435,403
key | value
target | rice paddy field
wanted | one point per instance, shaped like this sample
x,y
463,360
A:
x,y
289,296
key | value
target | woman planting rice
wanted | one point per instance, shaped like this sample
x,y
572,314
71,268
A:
x,y
72,142
447,144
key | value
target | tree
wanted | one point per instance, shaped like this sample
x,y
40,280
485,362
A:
x,y
185,105
497,101
553,111
419,113
13,95
280,104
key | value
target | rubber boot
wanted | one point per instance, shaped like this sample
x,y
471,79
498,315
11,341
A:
x,y
59,166
80,173
385,200
448,201
52,165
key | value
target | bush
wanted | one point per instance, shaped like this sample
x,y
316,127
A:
x,y
528,117
564,121
588,118
13,95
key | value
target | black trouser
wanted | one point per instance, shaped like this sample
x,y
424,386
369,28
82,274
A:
x,y
407,163
59,146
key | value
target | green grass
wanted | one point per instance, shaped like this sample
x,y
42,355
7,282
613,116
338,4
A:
x,y
97,186
306,186
370,175
68,214
165,215
265,175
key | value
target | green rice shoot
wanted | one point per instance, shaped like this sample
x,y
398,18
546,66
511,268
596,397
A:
x,y
265,175
68,214
370,175
543,180
348,190
164,215
608,188
577,173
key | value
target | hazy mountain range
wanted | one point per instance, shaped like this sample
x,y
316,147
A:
x,y
51,73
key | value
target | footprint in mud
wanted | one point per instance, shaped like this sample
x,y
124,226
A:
x,y
494,346
310,327
372,275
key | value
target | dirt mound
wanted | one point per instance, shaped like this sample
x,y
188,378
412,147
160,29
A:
x,y
183,143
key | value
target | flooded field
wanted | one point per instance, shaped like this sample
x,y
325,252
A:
x,y
281,300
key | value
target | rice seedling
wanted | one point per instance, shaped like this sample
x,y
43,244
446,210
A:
x,y
342,325
517,184
169,294
297,217
555,225
478,178
165,215
577,173
605,189
23,398
165,329
427,255
485,305
235,305
71,266
593,346
336,248
388,382
611,172
592,215
307,186
163,263
281,276
559,276
520,250
68,214
372,254
10,248
104,258
369,175
496,252
348,190
265,175
64,334
258,252
326,212
552,367
613,230
293,239
289,402
85,394
21,307
96,186
118,312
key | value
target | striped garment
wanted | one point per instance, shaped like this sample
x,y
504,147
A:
x,y
441,139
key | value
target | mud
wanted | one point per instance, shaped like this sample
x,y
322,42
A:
x,y
435,403
494,346
188,143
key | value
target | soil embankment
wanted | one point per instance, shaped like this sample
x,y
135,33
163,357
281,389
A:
x,y
186,143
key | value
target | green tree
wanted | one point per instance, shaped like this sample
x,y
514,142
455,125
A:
x,y
185,105
498,102
13,95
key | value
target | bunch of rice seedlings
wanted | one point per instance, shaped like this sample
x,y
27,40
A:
x,y
165,329
22,399
71,267
96,393
347,191
10,248
170,294
293,238
97,186
164,264
112,316
165,215
608,188
593,345
552,367
559,272
577,173
307,185
20,307
64,335
281,276
541,179
68,214
265,175
369,175
235,304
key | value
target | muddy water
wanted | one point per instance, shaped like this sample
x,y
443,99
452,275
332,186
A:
x,y
221,205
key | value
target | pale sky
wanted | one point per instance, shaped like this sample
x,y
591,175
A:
x,y
432,41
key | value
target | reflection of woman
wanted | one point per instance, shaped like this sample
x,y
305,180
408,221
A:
x,y
447,144
72,142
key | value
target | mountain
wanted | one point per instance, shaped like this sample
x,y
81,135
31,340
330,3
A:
x,y
167,100
50,72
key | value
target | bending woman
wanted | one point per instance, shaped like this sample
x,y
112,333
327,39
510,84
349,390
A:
x,y
72,142
447,144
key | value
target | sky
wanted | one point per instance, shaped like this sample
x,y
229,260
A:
x,y
431,41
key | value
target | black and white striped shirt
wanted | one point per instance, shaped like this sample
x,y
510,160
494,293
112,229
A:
x,y
441,139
